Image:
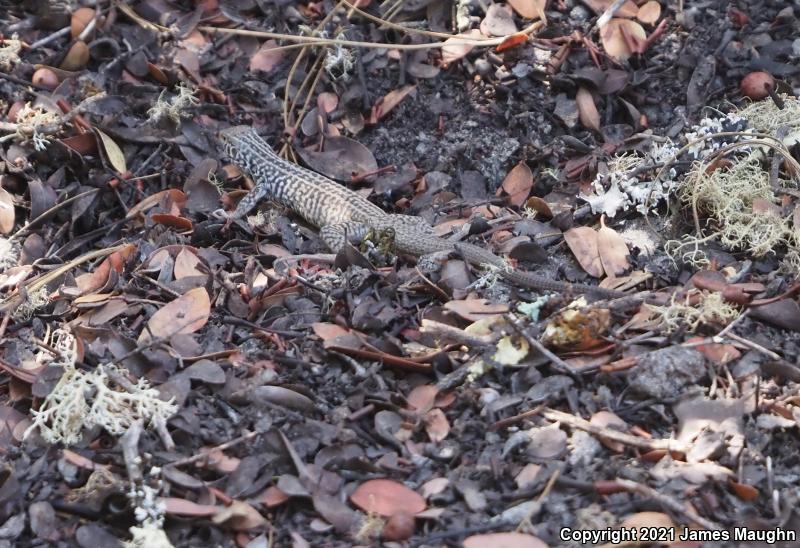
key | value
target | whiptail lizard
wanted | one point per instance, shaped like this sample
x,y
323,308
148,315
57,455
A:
x,y
341,214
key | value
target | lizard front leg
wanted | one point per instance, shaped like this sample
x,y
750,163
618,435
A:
x,y
336,235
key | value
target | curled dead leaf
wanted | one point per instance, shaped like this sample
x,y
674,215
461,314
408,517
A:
x,y
115,156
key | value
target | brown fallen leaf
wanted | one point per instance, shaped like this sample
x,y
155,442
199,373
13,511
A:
x,y
7,214
77,57
498,21
628,9
174,506
92,281
609,420
186,314
342,159
385,104
582,241
587,110
529,9
649,12
422,398
436,425
747,493
613,250
454,48
239,516
188,264
386,497
620,35
267,57
517,184
476,309
114,154
504,540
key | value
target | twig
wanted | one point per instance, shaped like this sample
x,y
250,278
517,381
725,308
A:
x,y
221,447
669,503
459,335
603,20
558,363
51,38
305,40
613,435
130,451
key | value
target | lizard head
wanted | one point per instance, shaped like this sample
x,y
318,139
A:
x,y
244,145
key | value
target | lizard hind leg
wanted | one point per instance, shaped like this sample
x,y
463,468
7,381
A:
x,y
336,235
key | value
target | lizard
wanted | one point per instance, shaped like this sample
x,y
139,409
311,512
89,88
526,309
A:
x,y
343,215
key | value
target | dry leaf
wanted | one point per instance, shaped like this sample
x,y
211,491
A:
x,y
77,57
648,519
587,110
172,221
182,507
272,497
504,540
115,156
187,264
267,57
529,9
612,250
476,309
610,421
613,37
7,214
92,281
434,487
628,9
327,102
540,206
81,17
422,398
454,48
386,497
498,21
436,425
518,184
186,314
649,12
388,102
328,331
239,516
342,159
582,241
747,493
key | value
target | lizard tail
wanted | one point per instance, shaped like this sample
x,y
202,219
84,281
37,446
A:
x,y
479,256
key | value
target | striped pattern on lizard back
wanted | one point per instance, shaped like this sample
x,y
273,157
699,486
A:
x,y
342,214
314,197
